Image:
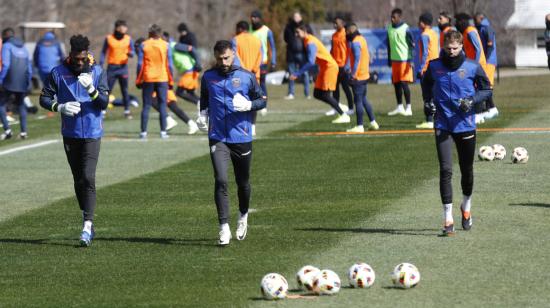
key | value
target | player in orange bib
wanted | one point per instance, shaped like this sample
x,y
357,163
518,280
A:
x,y
325,83
339,52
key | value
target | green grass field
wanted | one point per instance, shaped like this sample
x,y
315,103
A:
x,y
328,201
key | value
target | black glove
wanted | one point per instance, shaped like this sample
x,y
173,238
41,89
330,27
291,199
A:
x,y
429,107
419,76
465,104
138,86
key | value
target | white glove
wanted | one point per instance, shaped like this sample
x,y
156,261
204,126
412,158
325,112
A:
x,y
69,109
202,120
240,103
86,80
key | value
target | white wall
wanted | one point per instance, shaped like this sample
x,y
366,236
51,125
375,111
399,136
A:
x,y
527,53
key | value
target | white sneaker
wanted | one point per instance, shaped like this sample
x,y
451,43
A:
x,y
242,227
491,114
343,118
350,112
397,111
193,128
263,112
170,123
10,119
330,112
289,97
225,236
408,111
425,125
164,135
143,135
374,125
253,129
480,119
343,107
356,129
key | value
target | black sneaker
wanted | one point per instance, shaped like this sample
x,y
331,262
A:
x,y
466,222
448,230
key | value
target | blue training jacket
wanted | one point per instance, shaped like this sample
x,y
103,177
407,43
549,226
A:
x,y
217,91
486,34
47,53
63,84
446,87
16,71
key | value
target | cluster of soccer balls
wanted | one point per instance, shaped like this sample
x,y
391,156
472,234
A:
x,y
498,152
326,282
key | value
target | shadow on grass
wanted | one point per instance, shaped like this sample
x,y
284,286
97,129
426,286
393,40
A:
x,y
534,204
422,232
161,241
37,242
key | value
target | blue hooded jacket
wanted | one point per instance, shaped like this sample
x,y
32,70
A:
x,y
217,91
486,34
16,71
48,53
446,86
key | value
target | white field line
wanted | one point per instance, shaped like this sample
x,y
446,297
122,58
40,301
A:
x,y
27,147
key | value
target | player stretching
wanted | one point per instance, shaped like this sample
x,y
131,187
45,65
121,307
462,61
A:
x,y
451,86
229,95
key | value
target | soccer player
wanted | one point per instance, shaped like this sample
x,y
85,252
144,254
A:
x,y
269,56
47,55
117,48
229,94
78,90
444,24
400,48
451,87
325,82
295,54
473,50
489,43
15,79
547,37
187,62
155,75
339,52
358,59
429,50
248,51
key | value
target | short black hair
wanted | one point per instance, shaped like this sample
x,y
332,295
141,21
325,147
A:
x,y
397,11
462,17
79,43
338,17
155,29
166,35
182,27
302,26
8,32
243,25
222,45
426,18
119,23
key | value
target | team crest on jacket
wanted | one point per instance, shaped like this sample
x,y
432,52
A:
x,y
236,82
461,73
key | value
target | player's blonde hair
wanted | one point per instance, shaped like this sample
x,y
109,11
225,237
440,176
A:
x,y
451,37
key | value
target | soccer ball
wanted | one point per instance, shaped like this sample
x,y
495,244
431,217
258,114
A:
x,y
326,282
520,155
305,277
500,151
405,275
274,286
361,275
486,153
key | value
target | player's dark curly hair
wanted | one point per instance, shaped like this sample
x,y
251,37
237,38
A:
x,y
222,46
79,43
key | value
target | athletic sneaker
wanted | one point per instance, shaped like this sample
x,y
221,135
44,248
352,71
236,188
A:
x,y
164,135
143,135
289,97
425,125
466,222
448,230
397,111
6,135
263,112
480,119
86,238
343,118
23,135
253,129
356,129
309,97
225,237
10,119
373,125
242,226
193,128
331,112
128,115
491,114
350,112
170,123
408,111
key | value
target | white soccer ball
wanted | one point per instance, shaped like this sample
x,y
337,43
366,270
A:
x,y
500,151
486,153
274,286
405,275
305,277
326,282
520,155
361,275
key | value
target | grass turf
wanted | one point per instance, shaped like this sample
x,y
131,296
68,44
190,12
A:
x,y
329,201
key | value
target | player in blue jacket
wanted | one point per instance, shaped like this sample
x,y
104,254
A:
x,y
47,55
15,80
451,86
229,95
78,90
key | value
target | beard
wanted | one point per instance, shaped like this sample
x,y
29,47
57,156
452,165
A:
x,y
257,25
443,26
77,70
118,35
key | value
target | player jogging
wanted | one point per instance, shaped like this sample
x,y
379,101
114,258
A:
x,y
229,95
78,90
451,87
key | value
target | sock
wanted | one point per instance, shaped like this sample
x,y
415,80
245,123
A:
x,y
224,227
243,216
466,204
87,226
448,213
